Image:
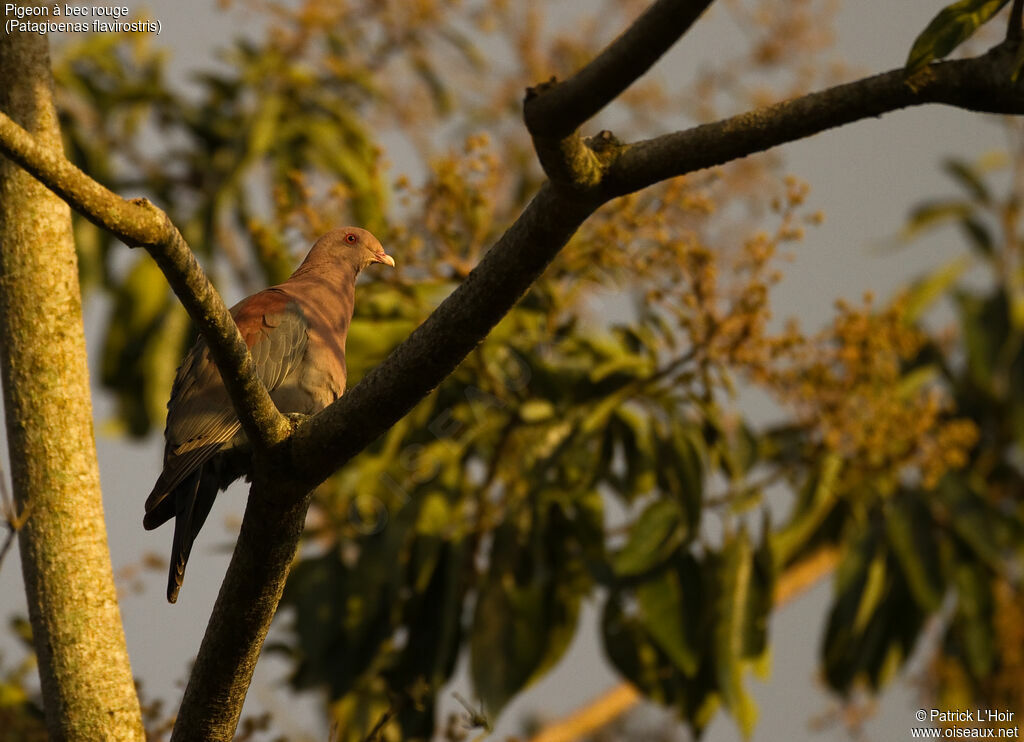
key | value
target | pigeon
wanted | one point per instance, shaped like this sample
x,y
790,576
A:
x,y
296,334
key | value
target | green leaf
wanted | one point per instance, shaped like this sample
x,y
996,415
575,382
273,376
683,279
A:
x,y
908,526
967,175
933,213
912,382
984,322
628,365
506,643
264,126
874,589
526,612
536,410
603,412
1018,63
926,291
435,515
670,606
336,639
843,635
760,602
370,340
972,623
951,27
731,641
978,235
981,528
143,347
440,95
635,434
434,616
652,539
1017,307
679,470
630,649
818,498
742,451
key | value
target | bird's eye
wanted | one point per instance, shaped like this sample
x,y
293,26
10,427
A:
x,y
351,238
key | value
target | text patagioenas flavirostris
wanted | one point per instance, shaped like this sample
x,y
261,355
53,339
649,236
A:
x,y
296,335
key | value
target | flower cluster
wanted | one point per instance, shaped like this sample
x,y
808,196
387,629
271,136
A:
x,y
851,385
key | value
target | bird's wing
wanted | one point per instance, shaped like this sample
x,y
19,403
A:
x,y
200,421
200,418
276,331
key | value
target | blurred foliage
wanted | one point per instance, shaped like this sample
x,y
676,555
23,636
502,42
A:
x,y
970,543
593,448
21,710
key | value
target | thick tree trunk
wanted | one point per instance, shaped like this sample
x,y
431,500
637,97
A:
x,y
86,678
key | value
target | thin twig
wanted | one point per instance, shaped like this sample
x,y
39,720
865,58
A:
x,y
475,718
7,543
13,520
386,717
729,495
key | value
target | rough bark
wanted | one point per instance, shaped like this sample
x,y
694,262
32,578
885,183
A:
x,y
87,685
138,223
234,639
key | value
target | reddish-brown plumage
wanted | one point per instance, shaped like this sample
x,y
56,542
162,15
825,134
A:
x,y
296,334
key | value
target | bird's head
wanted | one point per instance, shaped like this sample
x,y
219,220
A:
x,y
351,245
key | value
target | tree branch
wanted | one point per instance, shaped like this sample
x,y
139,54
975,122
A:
x,y
980,84
138,223
327,441
554,110
246,604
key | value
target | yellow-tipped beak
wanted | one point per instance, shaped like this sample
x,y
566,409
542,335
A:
x,y
385,259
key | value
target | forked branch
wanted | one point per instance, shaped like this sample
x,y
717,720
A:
x,y
138,223
584,174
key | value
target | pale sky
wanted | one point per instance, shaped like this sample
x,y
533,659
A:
x,y
864,177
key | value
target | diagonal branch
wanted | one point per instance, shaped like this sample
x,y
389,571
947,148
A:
x,y
276,509
138,223
327,441
275,514
555,110
980,84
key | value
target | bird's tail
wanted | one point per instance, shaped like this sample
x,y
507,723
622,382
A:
x,y
193,500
